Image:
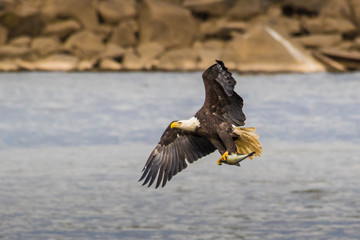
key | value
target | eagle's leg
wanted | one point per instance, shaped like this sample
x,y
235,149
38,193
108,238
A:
x,y
223,158
230,146
228,142
219,146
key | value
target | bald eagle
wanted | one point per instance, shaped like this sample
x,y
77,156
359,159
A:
x,y
217,125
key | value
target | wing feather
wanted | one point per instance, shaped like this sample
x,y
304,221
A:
x,y
225,79
170,155
221,100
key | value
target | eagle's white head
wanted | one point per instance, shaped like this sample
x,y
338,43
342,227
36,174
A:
x,y
186,125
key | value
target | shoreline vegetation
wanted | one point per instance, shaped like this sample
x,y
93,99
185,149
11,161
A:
x,y
258,36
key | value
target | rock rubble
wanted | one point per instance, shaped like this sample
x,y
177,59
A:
x,y
179,35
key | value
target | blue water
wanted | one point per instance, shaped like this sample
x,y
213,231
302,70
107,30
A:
x,y
72,146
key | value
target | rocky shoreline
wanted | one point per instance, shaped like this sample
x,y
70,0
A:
x,y
179,35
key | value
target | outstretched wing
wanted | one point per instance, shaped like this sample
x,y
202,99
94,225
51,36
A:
x,y
168,157
233,112
221,100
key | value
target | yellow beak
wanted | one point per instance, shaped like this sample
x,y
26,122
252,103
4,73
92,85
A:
x,y
175,125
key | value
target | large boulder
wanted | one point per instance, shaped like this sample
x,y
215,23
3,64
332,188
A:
x,y
244,9
331,65
112,11
210,7
45,45
8,65
325,25
319,40
150,51
149,54
291,26
113,51
208,51
86,64
125,34
84,44
22,8
109,64
62,28
82,10
262,49
313,25
132,60
184,59
337,9
221,28
57,62
343,13
11,51
340,25
350,59
167,23
21,17
104,32
21,41
18,25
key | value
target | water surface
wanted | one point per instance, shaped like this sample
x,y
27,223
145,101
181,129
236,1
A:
x,y
72,146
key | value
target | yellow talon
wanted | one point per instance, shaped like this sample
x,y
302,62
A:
x,y
223,158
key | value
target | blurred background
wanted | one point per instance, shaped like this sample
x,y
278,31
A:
x,y
180,35
87,88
